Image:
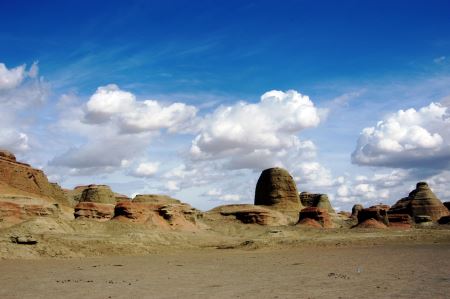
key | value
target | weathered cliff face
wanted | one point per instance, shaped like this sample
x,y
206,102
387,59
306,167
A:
x,y
316,201
177,216
277,189
420,202
248,214
315,217
21,179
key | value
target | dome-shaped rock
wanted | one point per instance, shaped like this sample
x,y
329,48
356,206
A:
x,y
421,201
98,194
276,188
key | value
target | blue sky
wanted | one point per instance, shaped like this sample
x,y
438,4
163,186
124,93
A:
x,y
359,63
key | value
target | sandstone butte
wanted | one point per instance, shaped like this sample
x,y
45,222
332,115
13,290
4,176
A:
x,y
26,193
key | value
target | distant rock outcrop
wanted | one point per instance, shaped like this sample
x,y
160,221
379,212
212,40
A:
x,y
180,216
447,205
19,209
276,189
420,201
98,194
18,178
155,199
316,200
355,210
250,214
312,215
76,195
94,211
366,217
400,221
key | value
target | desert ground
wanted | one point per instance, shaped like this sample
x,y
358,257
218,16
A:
x,y
233,261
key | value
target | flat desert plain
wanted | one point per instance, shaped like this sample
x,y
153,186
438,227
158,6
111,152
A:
x,y
385,269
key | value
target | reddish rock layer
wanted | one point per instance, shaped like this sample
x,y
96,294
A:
x,y
173,216
317,214
421,201
400,221
251,214
19,178
21,210
371,223
95,211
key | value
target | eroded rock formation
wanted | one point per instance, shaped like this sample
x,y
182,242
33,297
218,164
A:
x,y
18,178
355,210
94,211
98,194
250,214
366,217
277,189
316,200
400,221
179,216
312,215
420,201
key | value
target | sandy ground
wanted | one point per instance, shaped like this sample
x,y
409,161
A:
x,y
381,271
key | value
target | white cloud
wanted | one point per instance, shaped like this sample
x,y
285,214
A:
x,y
14,140
11,78
409,138
146,169
218,195
111,104
260,134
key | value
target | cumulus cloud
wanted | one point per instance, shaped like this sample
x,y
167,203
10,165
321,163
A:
x,y
102,154
146,169
111,104
407,139
19,93
259,134
216,194
11,78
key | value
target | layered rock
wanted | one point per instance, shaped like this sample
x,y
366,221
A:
x,y
179,216
400,221
447,205
155,199
19,209
76,195
98,194
21,179
316,200
355,210
251,214
366,217
277,189
312,215
94,211
372,223
420,201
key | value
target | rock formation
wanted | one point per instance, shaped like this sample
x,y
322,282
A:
x,y
355,210
400,221
276,189
444,220
98,194
316,200
21,179
312,215
18,209
155,199
372,223
249,214
366,217
94,211
447,205
179,216
420,201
